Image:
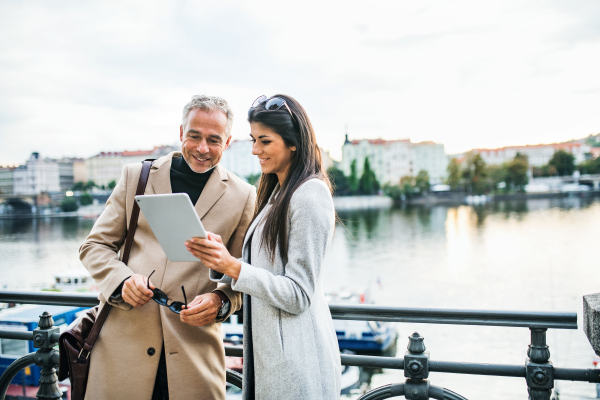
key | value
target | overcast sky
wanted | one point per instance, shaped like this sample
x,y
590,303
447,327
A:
x,y
77,78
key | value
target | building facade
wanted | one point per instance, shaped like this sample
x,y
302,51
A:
x,y
431,157
79,173
106,167
6,180
238,158
537,155
390,160
37,176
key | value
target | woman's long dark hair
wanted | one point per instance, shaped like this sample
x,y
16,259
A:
x,y
306,163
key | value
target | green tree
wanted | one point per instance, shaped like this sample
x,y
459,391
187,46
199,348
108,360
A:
x,y
86,199
563,162
368,183
516,172
88,185
475,173
590,166
111,185
407,186
79,186
353,178
422,181
454,174
69,204
253,179
393,191
341,186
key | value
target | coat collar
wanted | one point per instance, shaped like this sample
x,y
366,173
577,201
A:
x,y
160,180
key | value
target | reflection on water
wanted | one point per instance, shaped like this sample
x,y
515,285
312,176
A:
x,y
33,249
516,255
513,255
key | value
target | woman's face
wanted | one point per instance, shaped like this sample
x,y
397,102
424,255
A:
x,y
273,154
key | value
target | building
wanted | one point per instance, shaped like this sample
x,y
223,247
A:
x,y
390,160
6,180
37,176
238,158
326,159
537,155
106,167
431,157
79,173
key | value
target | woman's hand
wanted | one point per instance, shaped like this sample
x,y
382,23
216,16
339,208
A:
x,y
214,255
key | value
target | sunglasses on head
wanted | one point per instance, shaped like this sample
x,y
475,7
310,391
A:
x,y
161,298
272,104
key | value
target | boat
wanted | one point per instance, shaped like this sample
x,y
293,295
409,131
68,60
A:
x,y
361,337
73,280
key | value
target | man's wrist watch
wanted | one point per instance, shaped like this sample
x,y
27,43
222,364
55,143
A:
x,y
225,304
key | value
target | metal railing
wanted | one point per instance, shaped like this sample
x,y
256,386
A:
x,y
538,371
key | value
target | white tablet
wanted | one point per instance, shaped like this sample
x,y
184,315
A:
x,y
174,221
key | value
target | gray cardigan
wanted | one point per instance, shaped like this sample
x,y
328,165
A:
x,y
295,351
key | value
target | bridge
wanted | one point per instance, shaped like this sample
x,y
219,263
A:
x,y
20,204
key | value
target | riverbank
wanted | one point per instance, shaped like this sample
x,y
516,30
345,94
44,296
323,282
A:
x,y
348,203
463,198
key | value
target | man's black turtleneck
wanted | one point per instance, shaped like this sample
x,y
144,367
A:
x,y
184,180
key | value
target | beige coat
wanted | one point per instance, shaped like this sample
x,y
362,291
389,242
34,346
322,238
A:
x,y
125,358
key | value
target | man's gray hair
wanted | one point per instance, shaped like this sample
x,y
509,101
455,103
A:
x,y
209,103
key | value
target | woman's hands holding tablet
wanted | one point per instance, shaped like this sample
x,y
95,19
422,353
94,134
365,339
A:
x,y
214,255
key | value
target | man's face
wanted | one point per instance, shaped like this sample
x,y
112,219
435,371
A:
x,y
204,139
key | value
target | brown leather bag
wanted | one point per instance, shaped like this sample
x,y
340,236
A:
x,y
76,343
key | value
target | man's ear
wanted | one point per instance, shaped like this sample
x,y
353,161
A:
x,y
181,133
227,142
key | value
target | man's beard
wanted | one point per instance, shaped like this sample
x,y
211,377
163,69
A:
x,y
190,165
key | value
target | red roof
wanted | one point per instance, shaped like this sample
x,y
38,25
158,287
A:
x,y
532,146
378,141
137,153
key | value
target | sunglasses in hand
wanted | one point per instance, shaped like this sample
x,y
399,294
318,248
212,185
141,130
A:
x,y
161,298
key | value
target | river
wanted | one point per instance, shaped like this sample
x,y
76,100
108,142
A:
x,y
535,255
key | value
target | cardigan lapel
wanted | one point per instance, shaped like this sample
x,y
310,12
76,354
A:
x,y
258,219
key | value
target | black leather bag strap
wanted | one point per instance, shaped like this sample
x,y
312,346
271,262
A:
x,y
135,213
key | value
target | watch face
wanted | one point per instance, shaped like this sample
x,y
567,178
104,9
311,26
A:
x,y
224,308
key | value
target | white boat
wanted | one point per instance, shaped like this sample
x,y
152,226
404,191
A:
x,y
361,337
74,280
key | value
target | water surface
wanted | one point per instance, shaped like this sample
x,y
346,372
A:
x,y
536,255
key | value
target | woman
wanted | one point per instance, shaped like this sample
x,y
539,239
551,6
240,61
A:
x,y
293,350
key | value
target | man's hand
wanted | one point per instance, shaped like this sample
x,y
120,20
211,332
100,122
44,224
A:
x,y
135,290
202,311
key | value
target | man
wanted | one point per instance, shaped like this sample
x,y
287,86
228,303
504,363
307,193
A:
x,y
145,351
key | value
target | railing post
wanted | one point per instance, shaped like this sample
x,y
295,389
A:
x,y
47,357
539,370
416,369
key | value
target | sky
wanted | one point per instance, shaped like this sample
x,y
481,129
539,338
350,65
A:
x,y
77,78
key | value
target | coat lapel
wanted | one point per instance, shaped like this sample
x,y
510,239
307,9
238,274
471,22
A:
x,y
160,175
214,189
